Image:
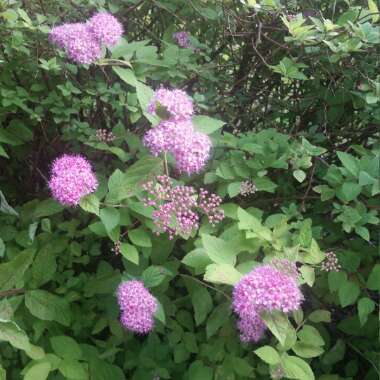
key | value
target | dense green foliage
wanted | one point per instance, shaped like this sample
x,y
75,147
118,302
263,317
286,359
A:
x,y
289,94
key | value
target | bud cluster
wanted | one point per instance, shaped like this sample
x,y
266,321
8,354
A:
x,y
331,264
105,136
247,188
178,207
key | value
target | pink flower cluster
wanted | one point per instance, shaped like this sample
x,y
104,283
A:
x,y
137,306
177,207
71,179
176,102
83,42
182,39
176,134
266,288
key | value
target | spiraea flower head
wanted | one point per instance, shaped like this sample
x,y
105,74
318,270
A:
x,y
105,28
176,103
71,179
182,38
137,306
251,328
192,153
78,42
266,288
167,135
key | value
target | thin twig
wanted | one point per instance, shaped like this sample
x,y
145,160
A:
x,y
11,292
308,188
206,285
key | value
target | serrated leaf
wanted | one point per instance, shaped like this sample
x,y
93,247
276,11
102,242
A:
x,y
140,238
218,250
299,175
373,282
268,354
365,307
296,368
348,293
374,10
90,203
222,274
38,371
278,324
206,124
349,162
48,307
110,218
13,271
318,316
129,252
310,335
12,333
66,347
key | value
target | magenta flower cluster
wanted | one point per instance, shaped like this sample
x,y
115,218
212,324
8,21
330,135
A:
x,y
178,208
137,307
83,42
176,134
182,39
269,287
71,179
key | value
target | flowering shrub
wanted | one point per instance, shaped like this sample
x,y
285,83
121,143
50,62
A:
x,y
199,205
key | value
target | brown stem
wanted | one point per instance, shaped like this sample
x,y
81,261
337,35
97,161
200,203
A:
x,y
11,292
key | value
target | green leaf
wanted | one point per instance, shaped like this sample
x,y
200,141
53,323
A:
x,y
73,370
299,175
217,319
348,191
197,259
201,300
127,75
130,253
38,371
222,274
5,207
140,237
233,189
2,248
311,336
66,347
154,275
160,313
13,271
305,235
374,10
278,324
90,203
3,374
366,179
349,162
250,222
268,354
365,307
44,266
110,218
219,251
206,124
336,280
296,368
144,96
307,351
11,332
320,316
373,282
198,370
362,232
348,293
48,307
46,208
308,274
314,254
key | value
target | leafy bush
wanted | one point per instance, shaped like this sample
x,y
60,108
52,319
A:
x,y
289,95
